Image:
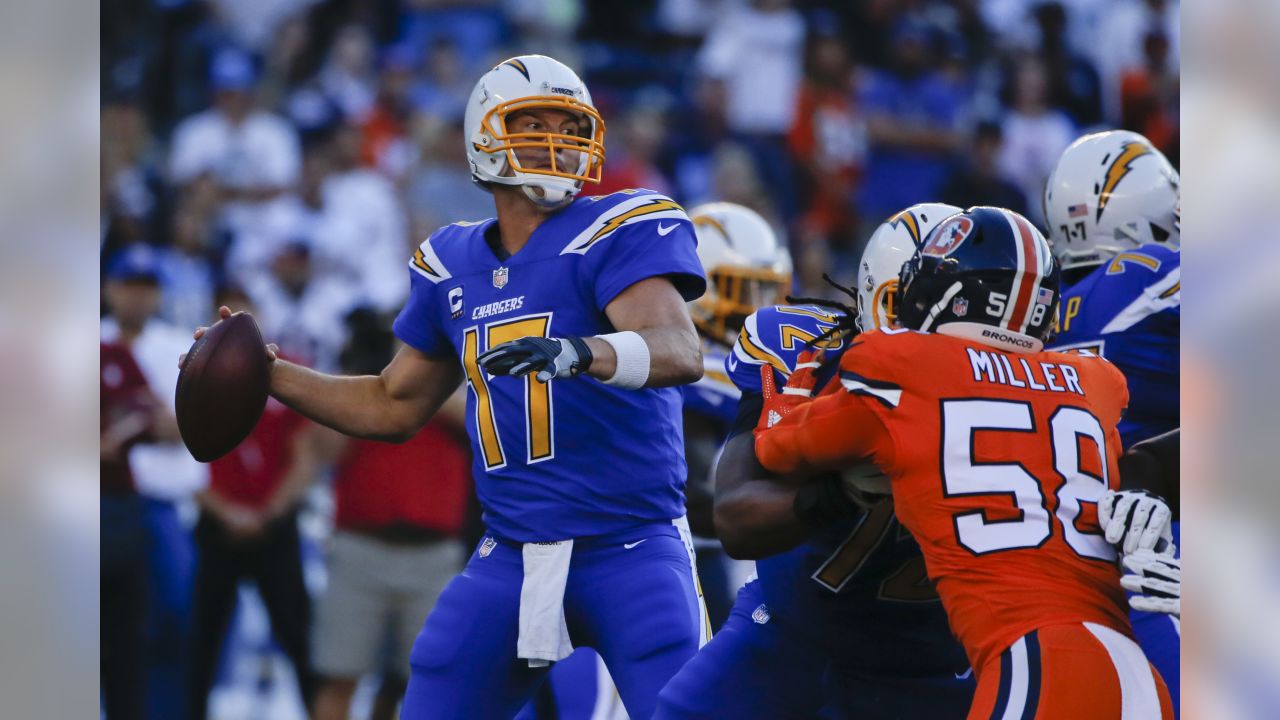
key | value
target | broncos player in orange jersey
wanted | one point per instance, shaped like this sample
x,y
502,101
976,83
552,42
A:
x,y
998,453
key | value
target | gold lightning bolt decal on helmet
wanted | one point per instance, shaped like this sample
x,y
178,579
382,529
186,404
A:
x,y
908,218
1118,169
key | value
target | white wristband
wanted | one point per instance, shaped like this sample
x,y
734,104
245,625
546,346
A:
x,y
633,359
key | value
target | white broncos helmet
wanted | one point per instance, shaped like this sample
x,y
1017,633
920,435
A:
x,y
891,245
521,83
747,267
1110,192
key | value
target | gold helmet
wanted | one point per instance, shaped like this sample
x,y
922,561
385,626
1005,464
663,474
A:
x,y
747,268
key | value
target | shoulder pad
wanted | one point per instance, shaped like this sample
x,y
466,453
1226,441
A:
x,y
426,259
605,215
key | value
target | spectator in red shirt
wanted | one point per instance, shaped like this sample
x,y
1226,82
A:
x,y
399,511
128,414
248,529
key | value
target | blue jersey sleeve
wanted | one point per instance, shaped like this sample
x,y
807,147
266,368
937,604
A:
x,y
775,336
418,323
660,244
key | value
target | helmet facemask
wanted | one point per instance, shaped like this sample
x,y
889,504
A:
x,y
549,187
733,293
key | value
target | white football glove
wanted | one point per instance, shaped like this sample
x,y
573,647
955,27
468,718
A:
x,y
1157,580
1135,520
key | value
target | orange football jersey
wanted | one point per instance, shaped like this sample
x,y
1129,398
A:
x,y
998,460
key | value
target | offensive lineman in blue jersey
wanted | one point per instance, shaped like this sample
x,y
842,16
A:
x,y
841,621
1112,209
567,320
747,268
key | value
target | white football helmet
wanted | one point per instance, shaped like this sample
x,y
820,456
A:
x,y
1110,192
747,267
891,245
521,83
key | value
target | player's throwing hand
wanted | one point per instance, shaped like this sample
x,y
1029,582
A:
x,y
549,357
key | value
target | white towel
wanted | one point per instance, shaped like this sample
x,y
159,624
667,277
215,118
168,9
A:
x,y
544,636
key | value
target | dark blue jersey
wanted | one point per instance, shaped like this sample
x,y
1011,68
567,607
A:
x,y
859,588
1129,310
573,457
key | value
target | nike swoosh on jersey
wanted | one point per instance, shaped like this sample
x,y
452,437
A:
x,y
633,544
665,230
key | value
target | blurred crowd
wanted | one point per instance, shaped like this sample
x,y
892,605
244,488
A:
x,y
284,156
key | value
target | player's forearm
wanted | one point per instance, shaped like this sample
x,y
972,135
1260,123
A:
x,y
754,515
756,520
675,357
359,406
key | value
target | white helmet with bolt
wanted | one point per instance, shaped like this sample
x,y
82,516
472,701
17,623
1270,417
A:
x,y
891,245
1110,192
747,267
523,83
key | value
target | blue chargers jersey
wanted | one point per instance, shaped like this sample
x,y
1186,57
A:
x,y
572,457
1129,310
858,589
714,396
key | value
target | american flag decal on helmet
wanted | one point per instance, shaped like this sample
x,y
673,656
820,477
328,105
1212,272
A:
x,y
1077,211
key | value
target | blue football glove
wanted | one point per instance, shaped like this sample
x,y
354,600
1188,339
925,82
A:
x,y
549,357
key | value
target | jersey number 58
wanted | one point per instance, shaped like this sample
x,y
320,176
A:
x,y
962,475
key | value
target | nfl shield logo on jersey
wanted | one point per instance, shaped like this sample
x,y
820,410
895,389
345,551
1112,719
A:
x,y
761,615
960,307
500,277
487,546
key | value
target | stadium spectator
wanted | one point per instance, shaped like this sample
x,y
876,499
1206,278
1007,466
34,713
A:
x,y
251,153
829,142
977,181
398,513
913,128
132,188
248,530
439,190
1034,135
1119,44
1149,96
164,474
188,268
443,91
757,52
125,418
348,77
1074,85
374,255
386,127
632,161
282,269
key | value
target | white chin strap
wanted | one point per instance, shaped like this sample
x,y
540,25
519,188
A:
x,y
548,198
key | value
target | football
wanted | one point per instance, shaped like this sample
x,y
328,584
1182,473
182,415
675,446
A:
x,y
222,388
865,484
